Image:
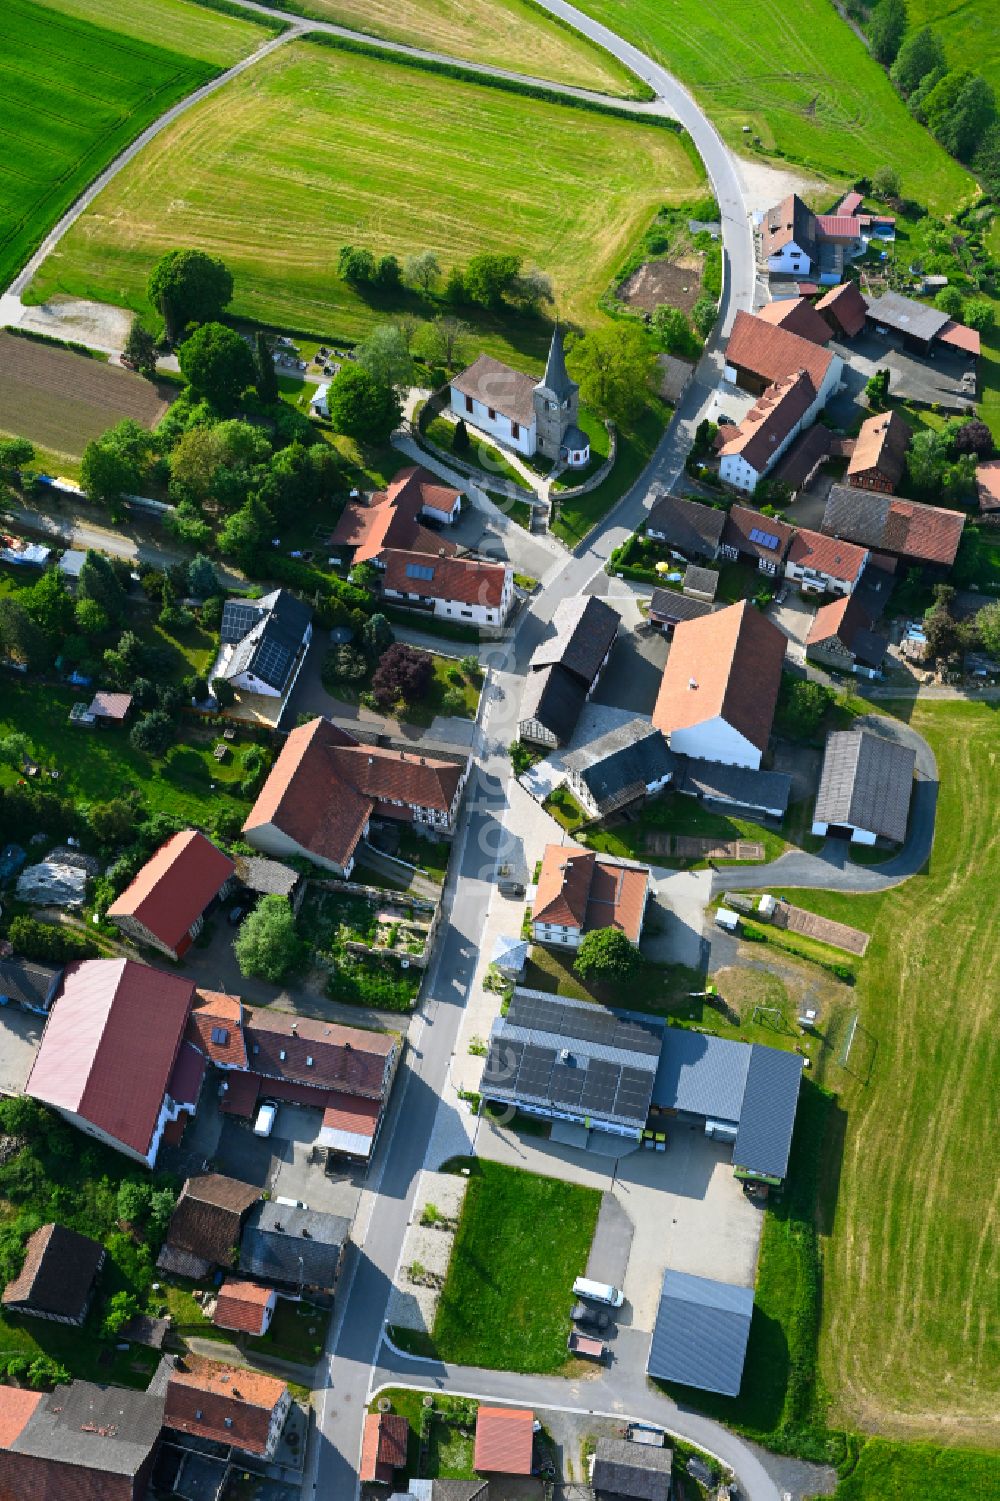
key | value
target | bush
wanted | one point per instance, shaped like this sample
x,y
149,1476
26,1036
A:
x,y
46,943
268,944
344,664
152,733
403,672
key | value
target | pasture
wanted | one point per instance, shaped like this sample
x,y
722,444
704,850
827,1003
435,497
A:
x,y
971,39
800,78
911,1261
204,34
60,400
290,161
71,96
529,41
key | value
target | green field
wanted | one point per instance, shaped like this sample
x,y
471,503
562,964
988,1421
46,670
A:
x,y
913,1472
911,1279
290,161
72,94
206,34
799,78
521,1242
529,41
971,39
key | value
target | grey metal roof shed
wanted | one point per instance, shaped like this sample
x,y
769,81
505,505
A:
x,y
767,1117
640,1472
866,783
701,1333
701,1075
585,629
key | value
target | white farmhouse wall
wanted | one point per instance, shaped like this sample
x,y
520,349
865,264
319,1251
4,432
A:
x,y
735,471
858,836
715,740
476,414
790,260
556,934
271,840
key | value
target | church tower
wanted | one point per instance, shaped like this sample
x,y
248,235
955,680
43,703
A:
x,y
557,401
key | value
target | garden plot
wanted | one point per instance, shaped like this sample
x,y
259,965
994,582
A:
x,y
340,915
423,1266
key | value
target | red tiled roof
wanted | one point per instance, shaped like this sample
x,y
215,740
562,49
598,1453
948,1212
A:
x,y
324,787
207,1216
798,316
930,533
842,618
110,1044
838,560
959,336
849,204
173,888
733,658
577,888
988,479
240,1094
881,445
504,1438
769,422
847,306
383,1446
351,1113
741,521
469,581
343,1058
390,518
790,220
774,354
16,1408
187,1075
838,226
217,1392
242,1306
111,705
216,1026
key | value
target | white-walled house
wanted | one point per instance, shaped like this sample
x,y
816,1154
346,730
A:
x,y
720,686
526,415
472,590
824,564
320,404
264,643
768,429
579,891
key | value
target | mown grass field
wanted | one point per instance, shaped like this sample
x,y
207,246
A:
x,y
291,161
911,1472
971,39
801,80
911,1278
72,94
529,41
205,34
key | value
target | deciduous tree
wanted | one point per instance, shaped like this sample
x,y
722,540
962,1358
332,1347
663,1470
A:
x,y
404,673
423,271
613,365
607,955
267,943
363,408
99,581
491,276
188,286
886,30
217,364
920,54
140,349
385,357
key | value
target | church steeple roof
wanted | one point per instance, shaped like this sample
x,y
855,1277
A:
x,y
556,378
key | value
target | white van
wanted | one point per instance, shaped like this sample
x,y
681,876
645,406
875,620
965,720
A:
x,y
266,1117
598,1292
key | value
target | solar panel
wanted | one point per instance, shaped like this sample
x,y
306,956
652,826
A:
x,y
600,1087
419,571
535,1071
220,1036
567,1084
637,1039
238,620
272,662
763,539
635,1090
502,1064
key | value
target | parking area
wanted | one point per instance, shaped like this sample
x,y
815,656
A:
x,y
686,1209
20,1034
632,677
287,1164
793,617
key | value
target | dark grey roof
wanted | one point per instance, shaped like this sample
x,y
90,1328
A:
x,y
866,782
27,983
95,1427
868,647
701,1332
671,606
573,1056
584,631
275,1237
858,515
58,1274
574,437
688,527
704,580
555,698
735,784
639,1471
767,1118
257,873
702,1075
906,316
267,635
623,762
557,378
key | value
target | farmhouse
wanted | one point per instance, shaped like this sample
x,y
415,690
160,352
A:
x,y
469,589
758,355
383,1447
668,607
325,788
295,1248
844,309
57,1279
232,1405
798,316
528,416
572,1061
701,1333
842,635
628,1471
566,668
688,528
264,643
902,531
822,563
91,1443
879,455
720,686
753,448
762,539
205,1225
864,787
918,327
245,1307
623,766
790,243
392,518
578,892
165,905
113,1059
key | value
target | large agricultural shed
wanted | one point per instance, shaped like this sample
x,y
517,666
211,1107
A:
x,y
61,400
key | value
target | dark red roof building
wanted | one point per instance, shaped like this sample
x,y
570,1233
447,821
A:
x,y
383,1447
164,907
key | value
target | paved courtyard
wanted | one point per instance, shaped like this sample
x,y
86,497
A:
x,y
20,1034
283,1162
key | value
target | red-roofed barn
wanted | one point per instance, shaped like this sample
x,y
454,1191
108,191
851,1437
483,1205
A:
x,y
165,905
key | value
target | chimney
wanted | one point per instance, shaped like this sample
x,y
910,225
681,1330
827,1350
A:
x,y
295,1029
692,683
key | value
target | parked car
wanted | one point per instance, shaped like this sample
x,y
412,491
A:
x,y
266,1117
593,1318
236,914
598,1292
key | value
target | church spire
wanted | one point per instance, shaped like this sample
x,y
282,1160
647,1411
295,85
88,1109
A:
x,y
556,378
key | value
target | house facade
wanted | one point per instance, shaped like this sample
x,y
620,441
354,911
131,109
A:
x,y
231,1405
759,539
264,643
767,431
879,456
526,415
842,636
824,564
566,668
466,589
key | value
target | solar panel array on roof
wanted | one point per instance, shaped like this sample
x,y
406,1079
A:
x,y
272,661
238,620
763,539
419,571
220,1036
535,1012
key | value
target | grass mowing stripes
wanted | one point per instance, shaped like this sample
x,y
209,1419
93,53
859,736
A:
x,y
802,81
917,1472
205,34
72,95
287,163
521,1242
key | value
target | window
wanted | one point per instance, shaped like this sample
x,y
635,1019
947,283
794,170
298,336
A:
x,y
419,571
228,1422
515,429
309,1063
468,404
491,414
467,613
282,1054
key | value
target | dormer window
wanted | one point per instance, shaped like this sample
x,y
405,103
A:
x,y
309,1063
282,1055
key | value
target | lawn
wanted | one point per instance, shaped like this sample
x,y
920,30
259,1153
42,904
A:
x,y
429,855
208,35
573,518
675,814
911,1472
72,95
521,1242
911,1275
802,81
100,765
290,161
657,988
483,456
528,40
452,1433
297,1332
